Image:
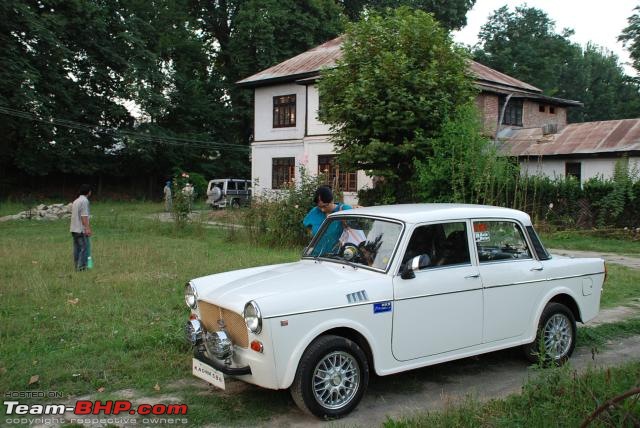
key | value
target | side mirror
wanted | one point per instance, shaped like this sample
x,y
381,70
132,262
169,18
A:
x,y
413,265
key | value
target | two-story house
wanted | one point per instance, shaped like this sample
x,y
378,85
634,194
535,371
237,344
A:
x,y
288,133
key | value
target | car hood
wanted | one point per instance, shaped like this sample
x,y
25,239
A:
x,y
284,288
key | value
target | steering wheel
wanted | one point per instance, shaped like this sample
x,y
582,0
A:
x,y
350,252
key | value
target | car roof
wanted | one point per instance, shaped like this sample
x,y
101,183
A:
x,y
418,213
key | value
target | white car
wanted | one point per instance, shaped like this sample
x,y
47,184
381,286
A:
x,y
389,289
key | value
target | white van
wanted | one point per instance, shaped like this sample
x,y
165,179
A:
x,y
225,192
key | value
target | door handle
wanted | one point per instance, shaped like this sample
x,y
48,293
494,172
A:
x,y
538,268
475,275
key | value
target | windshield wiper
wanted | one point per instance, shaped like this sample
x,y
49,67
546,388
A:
x,y
339,258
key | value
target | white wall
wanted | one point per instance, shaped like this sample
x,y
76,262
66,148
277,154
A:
x,y
306,153
314,126
262,155
590,167
264,130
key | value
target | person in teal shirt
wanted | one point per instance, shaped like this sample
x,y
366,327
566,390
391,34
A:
x,y
324,205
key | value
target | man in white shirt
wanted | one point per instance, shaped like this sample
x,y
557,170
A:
x,y
80,228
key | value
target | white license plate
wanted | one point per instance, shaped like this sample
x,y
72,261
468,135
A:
x,y
208,373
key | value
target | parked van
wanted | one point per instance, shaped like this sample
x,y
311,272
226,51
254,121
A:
x,y
225,192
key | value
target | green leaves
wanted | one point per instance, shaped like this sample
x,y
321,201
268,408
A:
x,y
399,80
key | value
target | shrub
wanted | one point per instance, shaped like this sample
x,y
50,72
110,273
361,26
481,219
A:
x,y
275,219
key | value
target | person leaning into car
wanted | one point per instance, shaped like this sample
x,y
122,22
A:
x,y
324,205
80,228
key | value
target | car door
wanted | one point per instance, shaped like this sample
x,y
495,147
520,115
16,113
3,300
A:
x,y
440,309
511,277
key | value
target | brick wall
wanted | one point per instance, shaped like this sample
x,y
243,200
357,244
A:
x,y
488,106
532,117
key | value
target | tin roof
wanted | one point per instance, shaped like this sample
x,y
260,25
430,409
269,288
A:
x,y
310,63
304,65
611,136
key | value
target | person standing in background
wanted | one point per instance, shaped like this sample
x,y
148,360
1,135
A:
x,y
80,227
167,196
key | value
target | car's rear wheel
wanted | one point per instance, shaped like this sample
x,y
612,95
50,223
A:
x,y
332,377
556,338
235,203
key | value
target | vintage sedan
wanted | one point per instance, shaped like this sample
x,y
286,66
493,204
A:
x,y
389,289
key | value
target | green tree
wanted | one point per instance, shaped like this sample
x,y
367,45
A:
x,y
630,37
525,45
246,36
465,166
450,14
400,78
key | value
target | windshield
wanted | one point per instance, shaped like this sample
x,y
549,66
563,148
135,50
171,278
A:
x,y
358,240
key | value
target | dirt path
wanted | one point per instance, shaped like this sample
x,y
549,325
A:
x,y
629,261
488,376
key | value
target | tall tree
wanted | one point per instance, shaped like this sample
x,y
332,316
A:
x,y
450,14
398,81
66,60
247,36
631,37
525,45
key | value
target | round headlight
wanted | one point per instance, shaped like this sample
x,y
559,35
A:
x,y
253,317
190,296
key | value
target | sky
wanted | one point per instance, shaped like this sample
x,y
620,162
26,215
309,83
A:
x,y
598,21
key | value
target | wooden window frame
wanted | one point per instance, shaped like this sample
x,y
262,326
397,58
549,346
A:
x,y
513,112
344,180
570,170
284,111
283,172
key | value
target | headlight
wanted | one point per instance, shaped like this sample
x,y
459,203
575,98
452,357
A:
x,y
190,296
253,317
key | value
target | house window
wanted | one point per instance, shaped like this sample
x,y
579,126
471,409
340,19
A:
x,y
542,108
284,111
552,110
513,112
334,177
573,169
282,172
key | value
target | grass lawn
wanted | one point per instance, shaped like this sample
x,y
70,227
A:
x,y
592,240
120,325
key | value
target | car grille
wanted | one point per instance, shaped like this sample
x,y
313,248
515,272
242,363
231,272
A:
x,y
233,323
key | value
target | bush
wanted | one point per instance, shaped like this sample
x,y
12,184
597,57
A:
x,y
199,185
275,219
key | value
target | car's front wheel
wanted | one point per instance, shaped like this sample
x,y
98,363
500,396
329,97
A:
x,y
332,377
556,338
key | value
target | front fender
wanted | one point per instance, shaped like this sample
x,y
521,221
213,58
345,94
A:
x,y
316,329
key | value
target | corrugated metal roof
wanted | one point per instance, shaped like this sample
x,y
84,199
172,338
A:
x,y
611,136
311,61
325,56
482,72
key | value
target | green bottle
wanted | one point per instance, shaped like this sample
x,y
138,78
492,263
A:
x,y
89,258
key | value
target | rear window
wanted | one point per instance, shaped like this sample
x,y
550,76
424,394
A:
x,y
537,244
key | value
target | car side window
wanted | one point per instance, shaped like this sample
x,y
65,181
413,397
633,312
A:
x,y
444,244
241,185
500,240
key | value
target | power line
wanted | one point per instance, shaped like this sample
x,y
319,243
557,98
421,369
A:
x,y
116,133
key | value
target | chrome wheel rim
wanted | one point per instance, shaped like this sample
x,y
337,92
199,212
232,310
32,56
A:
x,y
558,335
336,379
